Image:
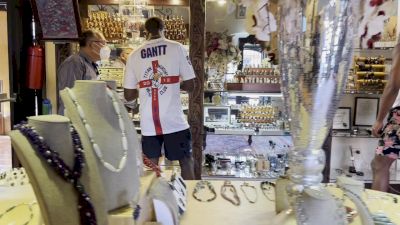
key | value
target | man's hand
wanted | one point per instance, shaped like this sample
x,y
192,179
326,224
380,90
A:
x,y
377,129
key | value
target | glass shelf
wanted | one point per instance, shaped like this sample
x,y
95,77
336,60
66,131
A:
x,y
362,92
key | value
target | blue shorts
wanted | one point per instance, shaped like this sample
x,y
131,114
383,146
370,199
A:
x,y
176,145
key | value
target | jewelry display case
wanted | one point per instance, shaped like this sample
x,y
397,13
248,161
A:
x,y
253,143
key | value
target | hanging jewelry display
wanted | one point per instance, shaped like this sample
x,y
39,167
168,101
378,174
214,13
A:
x,y
231,187
30,205
248,186
202,185
266,187
89,131
85,207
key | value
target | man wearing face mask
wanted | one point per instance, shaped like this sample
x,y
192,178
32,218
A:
x,y
156,72
82,65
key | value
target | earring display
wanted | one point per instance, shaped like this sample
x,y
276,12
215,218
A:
x,y
369,74
254,78
228,185
175,28
85,207
247,186
112,73
110,25
202,185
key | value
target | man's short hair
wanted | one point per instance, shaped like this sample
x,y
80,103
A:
x,y
154,25
88,35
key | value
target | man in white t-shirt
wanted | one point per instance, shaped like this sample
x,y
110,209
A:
x,y
156,72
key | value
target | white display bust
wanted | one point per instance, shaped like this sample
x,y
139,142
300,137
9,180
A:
x,y
100,114
57,198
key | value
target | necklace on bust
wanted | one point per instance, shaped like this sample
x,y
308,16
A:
x,y
231,187
30,205
247,185
85,207
202,185
89,131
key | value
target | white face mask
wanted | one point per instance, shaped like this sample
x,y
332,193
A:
x,y
105,52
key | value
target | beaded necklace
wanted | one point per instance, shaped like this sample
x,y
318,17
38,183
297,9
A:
x,y
236,200
85,207
17,206
247,185
202,185
89,131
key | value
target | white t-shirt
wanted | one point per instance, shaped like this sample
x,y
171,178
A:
x,y
160,102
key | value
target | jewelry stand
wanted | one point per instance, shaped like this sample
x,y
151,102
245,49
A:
x,y
101,116
58,199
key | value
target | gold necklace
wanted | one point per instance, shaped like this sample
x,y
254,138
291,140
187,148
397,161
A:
x,y
266,186
202,185
247,185
227,184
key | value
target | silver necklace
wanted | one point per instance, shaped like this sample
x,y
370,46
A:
x,y
89,131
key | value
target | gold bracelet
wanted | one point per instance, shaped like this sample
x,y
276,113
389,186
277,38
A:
x,y
227,184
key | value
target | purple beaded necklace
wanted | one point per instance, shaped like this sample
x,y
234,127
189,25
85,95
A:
x,y
85,207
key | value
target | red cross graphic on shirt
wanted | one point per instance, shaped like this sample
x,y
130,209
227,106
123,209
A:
x,y
154,93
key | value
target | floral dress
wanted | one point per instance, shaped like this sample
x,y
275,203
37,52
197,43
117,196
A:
x,y
389,145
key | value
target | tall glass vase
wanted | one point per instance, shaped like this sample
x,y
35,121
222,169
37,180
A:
x,y
315,44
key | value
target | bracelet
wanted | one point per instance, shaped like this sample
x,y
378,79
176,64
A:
x,y
245,184
266,186
227,184
201,185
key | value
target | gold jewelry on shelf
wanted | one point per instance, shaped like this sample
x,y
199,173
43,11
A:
x,y
231,187
247,185
267,186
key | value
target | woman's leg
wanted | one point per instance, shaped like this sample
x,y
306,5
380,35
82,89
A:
x,y
381,172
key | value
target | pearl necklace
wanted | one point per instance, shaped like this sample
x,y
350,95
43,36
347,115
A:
x,y
89,131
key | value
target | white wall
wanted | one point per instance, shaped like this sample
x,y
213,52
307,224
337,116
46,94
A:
x,y
218,20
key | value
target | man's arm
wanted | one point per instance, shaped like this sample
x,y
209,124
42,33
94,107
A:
x,y
130,94
390,93
188,85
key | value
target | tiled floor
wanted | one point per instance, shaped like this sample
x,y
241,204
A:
x,y
5,153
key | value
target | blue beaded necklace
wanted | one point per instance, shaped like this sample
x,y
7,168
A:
x,y
85,207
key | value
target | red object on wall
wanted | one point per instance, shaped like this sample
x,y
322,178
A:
x,y
35,73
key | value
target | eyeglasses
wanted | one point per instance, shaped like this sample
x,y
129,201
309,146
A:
x,y
97,41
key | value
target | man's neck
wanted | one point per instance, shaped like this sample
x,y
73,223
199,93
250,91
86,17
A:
x,y
155,36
